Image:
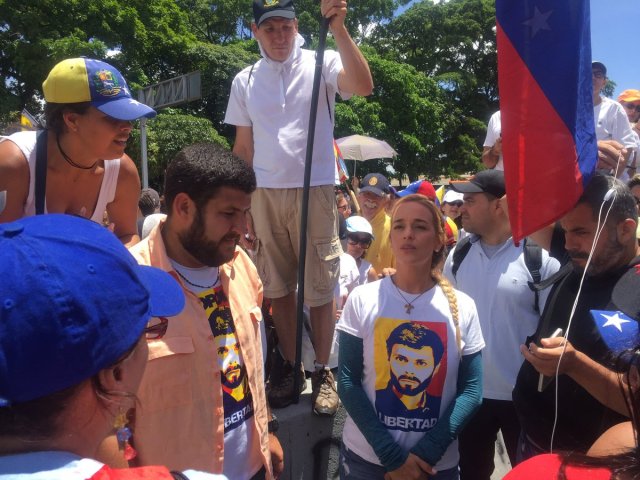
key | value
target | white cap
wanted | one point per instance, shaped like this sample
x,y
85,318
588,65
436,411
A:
x,y
358,224
451,196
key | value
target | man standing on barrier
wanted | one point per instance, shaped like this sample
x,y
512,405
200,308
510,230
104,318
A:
x,y
269,105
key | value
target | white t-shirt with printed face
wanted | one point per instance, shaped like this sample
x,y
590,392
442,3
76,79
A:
x,y
410,361
239,422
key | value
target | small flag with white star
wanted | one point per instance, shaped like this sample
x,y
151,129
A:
x,y
618,331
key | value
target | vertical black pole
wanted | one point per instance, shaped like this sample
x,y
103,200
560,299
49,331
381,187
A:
x,y
324,28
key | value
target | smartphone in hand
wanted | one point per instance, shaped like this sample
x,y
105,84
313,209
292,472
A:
x,y
543,382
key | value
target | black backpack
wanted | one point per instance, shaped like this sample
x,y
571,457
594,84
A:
x,y
532,259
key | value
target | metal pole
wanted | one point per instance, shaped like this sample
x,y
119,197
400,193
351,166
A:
x,y
143,148
324,28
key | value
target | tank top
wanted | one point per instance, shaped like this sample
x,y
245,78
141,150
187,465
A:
x,y
26,142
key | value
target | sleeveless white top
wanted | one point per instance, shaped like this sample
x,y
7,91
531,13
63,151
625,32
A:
x,y
26,141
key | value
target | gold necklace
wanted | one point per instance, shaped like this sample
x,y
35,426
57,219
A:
x,y
408,306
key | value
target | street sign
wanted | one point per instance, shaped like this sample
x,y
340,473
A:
x,y
174,91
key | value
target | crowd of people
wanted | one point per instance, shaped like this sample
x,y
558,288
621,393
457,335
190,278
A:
x,y
133,341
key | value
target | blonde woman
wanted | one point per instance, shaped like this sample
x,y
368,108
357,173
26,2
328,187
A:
x,y
410,366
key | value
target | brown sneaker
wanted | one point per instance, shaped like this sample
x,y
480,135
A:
x,y
324,396
280,388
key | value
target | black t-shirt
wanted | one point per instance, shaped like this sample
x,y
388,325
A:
x,y
581,418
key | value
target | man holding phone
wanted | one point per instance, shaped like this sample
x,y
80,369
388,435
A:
x,y
588,398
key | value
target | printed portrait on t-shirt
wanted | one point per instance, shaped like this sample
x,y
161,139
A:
x,y
236,394
411,366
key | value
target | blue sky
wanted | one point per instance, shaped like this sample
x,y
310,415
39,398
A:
x,y
614,40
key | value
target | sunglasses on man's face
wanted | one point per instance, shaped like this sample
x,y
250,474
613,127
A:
x,y
632,106
363,242
597,74
457,203
156,328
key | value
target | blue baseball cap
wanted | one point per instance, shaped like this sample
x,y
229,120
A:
x,y
73,300
77,80
375,183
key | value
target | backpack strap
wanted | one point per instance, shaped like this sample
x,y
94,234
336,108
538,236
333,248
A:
x,y
533,261
560,277
553,279
41,172
251,72
461,250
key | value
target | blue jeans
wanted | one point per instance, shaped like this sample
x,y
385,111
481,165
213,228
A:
x,y
353,467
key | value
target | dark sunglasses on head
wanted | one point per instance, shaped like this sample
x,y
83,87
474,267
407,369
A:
x,y
632,106
355,240
156,328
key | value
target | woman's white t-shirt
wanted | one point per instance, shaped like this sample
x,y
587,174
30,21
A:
x,y
418,349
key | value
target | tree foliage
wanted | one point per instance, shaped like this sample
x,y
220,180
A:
x,y
167,134
433,67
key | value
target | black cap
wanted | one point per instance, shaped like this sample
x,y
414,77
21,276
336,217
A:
x,y
486,181
263,9
599,66
375,183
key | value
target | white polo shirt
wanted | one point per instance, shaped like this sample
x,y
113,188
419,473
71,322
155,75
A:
x,y
612,123
275,101
498,286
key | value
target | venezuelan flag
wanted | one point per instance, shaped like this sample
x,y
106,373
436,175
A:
x,y
548,134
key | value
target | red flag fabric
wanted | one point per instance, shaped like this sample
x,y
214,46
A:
x,y
548,133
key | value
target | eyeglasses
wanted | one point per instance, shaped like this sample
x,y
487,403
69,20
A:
x,y
457,203
355,240
597,74
156,328
632,106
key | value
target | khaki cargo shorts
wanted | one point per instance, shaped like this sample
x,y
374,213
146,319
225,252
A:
x,y
276,217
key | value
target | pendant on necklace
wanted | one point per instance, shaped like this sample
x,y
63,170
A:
x,y
408,307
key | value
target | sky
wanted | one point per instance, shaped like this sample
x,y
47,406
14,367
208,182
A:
x,y
614,32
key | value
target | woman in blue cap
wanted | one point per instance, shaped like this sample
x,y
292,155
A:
x,y
83,168
76,313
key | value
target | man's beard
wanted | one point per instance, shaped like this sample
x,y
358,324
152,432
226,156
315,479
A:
x,y
411,391
600,263
205,251
231,384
